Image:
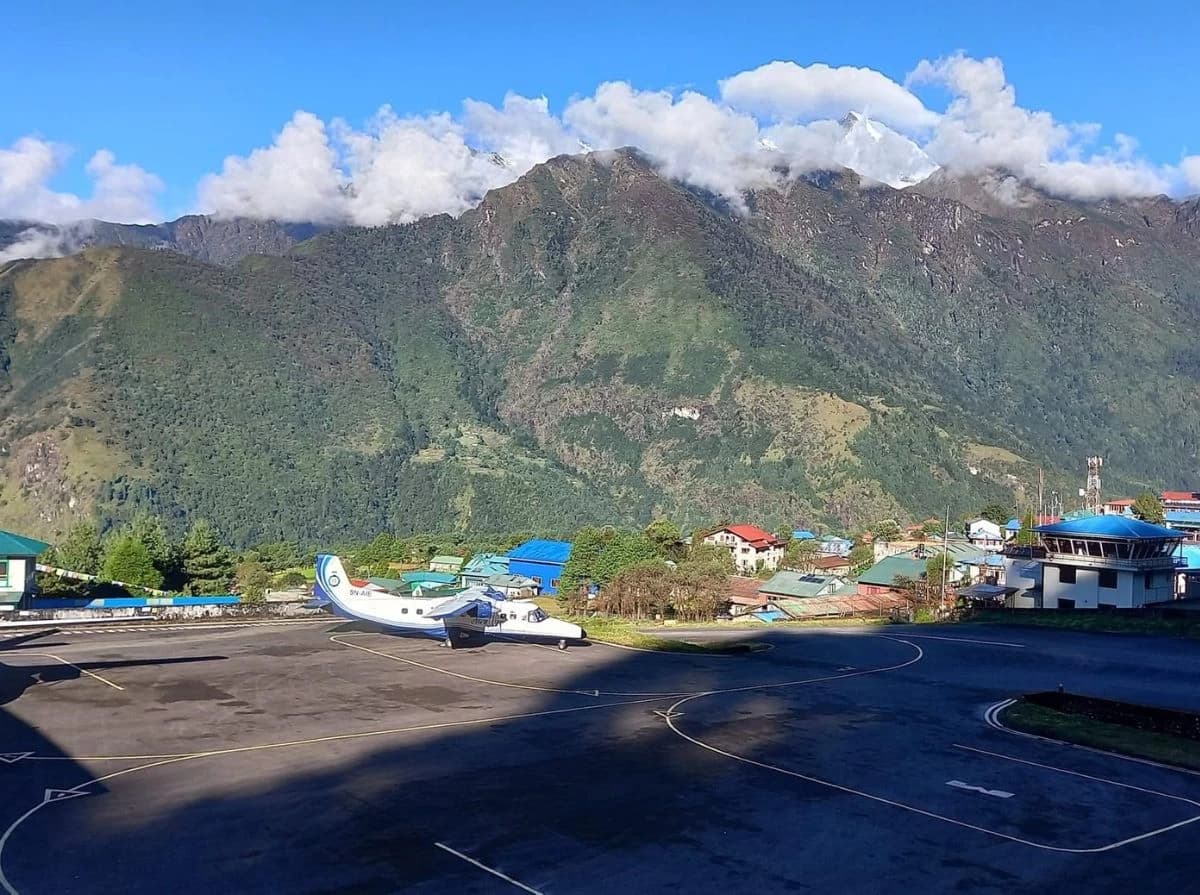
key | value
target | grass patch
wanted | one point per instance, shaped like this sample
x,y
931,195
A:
x,y
1099,622
624,632
1084,731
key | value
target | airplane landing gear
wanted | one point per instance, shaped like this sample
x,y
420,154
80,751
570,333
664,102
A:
x,y
562,644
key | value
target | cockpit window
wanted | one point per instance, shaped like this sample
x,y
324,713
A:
x,y
537,616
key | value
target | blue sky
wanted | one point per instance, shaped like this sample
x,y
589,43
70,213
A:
x,y
176,88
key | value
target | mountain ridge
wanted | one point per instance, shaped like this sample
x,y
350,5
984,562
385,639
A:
x,y
596,343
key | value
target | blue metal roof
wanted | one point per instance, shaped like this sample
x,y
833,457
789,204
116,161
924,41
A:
x,y
803,534
1013,525
1190,556
1182,515
1110,527
542,551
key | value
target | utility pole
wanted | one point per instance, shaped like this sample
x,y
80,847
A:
x,y
945,555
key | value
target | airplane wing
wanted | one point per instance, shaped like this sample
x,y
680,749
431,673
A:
x,y
465,604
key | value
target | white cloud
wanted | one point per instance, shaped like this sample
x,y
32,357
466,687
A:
x,y
984,128
774,121
786,91
691,138
1190,169
124,193
296,178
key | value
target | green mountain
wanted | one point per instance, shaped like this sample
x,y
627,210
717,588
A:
x,y
595,343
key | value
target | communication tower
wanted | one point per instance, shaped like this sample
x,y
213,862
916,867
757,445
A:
x,y
1091,494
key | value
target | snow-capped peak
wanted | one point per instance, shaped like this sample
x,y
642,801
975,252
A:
x,y
877,152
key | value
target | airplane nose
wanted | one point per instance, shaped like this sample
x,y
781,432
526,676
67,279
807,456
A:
x,y
582,634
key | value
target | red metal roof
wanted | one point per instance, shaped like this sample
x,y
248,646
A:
x,y
831,562
755,535
1121,502
1180,495
744,591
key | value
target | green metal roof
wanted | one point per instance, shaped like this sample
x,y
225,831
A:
x,y
885,572
12,544
482,565
393,584
447,560
424,576
797,584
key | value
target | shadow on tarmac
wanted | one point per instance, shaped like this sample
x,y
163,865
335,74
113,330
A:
x,y
579,798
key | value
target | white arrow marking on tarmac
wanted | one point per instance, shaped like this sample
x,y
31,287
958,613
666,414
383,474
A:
x,y
667,716
13,757
61,795
998,793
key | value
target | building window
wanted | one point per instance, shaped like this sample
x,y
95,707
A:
x,y
554,583
1149,581
537,580
1066,575
1108,578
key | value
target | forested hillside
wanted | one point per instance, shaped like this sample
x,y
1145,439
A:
x,y
597,344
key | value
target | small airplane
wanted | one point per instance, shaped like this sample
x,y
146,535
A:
x,y
478,613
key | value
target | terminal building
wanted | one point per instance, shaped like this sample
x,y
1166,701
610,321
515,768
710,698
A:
x,y
1114,562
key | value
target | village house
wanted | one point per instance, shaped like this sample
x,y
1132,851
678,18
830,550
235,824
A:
x,y
482,566
446,563
985,534
744,596
513,585
18,568
542,561
832,545
832,565
751,547
1181,510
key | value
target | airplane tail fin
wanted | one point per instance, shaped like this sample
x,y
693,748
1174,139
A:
x,y
332,583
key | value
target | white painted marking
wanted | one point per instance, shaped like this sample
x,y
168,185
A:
x,y
482,680
61,795
964,640
14,757
667,716
992,717
997,793
915,810
492,870
77,668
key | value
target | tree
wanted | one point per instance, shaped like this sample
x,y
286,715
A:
x,y
801,555
150,531
939,569
1026,536
207,564
1149,508
666,538
996,512
713,556
129,561
861,558
80,550
886,530
252,580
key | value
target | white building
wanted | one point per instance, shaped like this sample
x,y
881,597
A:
x,y
18,572
1115,562
985,534
751,547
